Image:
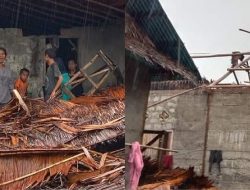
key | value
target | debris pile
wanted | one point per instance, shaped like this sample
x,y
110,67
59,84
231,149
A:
x,y
110,94
40,148
88,168
60,124
153,177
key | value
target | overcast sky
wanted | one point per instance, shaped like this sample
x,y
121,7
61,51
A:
x,y
211,27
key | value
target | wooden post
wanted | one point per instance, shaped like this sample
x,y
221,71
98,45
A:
x,y
236,78
92,91
107,60
89,79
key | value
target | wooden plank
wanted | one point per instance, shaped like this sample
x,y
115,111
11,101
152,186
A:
x,y
115,69
83,69
151,147
21,102
230,86
41,170
153,131
103,79
238,69
220,55
92,91
171,97
92,75
91,62
39,151
89,79
107,60
152,141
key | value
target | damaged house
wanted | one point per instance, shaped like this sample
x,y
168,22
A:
x,y
62,144
206,124
155,56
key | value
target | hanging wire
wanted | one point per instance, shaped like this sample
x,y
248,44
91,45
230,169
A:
x,y
84,26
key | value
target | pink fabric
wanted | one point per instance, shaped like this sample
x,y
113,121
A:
x,y
168,161
136,164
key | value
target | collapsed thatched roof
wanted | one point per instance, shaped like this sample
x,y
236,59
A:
x,y
86,170
60,125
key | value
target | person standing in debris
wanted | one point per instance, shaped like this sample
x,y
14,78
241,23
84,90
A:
x,y
6,79
21,84
54,77
72,67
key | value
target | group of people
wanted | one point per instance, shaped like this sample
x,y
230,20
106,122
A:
x,y
54,78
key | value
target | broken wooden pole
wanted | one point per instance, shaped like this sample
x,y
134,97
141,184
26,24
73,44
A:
x,y
85,67
104,77
169,98
229,86
220,55
238,69
21,102
41,170
152,147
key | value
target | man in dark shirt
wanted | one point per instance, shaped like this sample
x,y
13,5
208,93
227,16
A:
x,y
6,79
72,67
53,77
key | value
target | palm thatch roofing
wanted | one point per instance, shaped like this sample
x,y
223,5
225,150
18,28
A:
x,y
150,35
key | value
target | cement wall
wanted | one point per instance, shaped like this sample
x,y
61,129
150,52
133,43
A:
x,y
24,52
228,131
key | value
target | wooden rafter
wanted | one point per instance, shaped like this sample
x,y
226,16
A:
x,y
242,66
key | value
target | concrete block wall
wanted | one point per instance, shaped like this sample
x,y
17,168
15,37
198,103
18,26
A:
x,y
21,54
155,119
190,130
228,131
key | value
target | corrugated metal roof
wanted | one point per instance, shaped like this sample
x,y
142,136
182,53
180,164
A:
x,y
150,15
